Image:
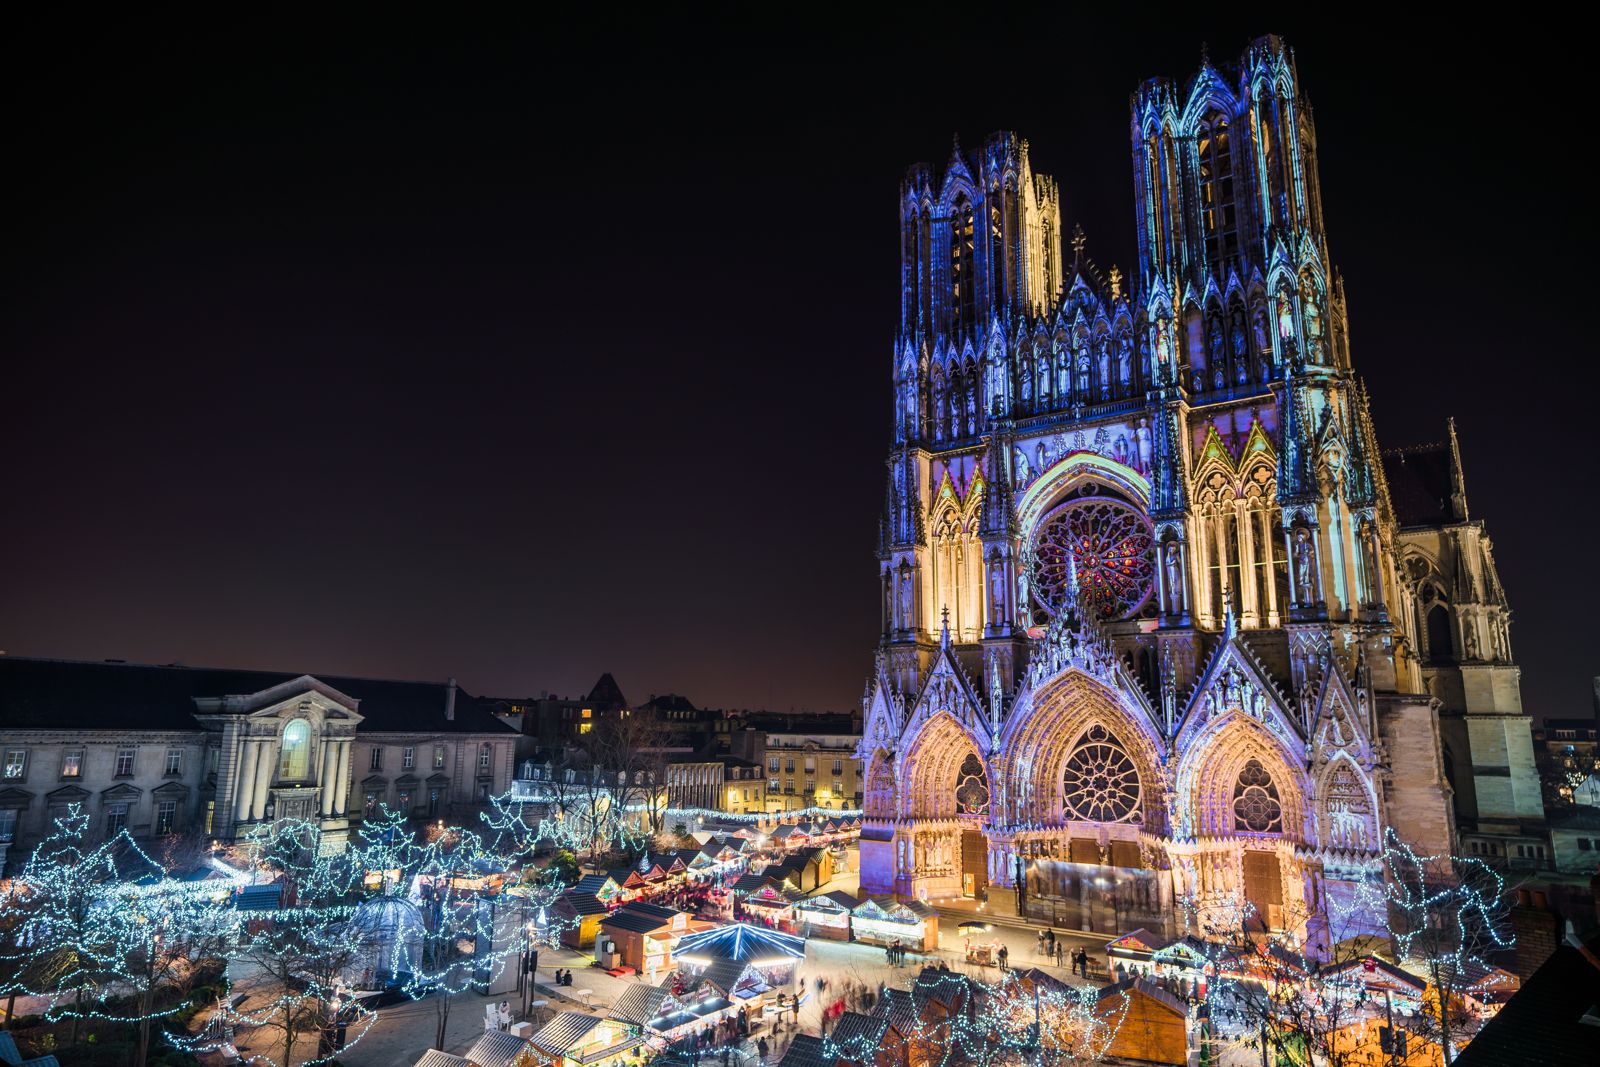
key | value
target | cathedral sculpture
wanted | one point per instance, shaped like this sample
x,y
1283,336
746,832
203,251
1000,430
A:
x,y
1157,635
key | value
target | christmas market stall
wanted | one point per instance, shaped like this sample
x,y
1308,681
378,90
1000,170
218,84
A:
x,y
750,966
580,915
772,904
826,915
1142,953
573,1039
884,920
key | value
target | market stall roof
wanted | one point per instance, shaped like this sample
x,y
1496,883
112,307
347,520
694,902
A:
x,y
582,903
838,900
749,883
496,1048
655,911
639,1004
434,1058
807,1050
742,941
634,921
724,975
564,1031
257,897
594,883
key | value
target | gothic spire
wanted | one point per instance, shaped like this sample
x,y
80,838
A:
x,y
1458,481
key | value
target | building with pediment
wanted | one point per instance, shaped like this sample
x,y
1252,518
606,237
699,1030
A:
x,y
1163,630
183,750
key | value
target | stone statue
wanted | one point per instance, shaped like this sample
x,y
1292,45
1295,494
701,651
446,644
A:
x,y
1124,360
1174,578
1302,566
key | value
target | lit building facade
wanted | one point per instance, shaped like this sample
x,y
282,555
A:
x,y
1156,637
164,750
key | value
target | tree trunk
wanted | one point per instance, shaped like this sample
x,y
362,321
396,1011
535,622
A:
x,y
443,1004
141,1055
11,1009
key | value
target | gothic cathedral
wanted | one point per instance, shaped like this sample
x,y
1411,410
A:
x,y
1163,630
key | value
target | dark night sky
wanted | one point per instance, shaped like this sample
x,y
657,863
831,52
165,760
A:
x,y
518,354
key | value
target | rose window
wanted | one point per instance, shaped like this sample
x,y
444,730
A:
x,y
1101,782
972,787
1256,807
1106,545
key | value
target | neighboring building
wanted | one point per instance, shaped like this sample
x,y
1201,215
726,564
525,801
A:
x,y
1161,623
1552,1020
744,787
1568,751
183,750
808,767
551,721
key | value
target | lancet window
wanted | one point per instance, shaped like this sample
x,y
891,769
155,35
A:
x,y
963,267
1218,212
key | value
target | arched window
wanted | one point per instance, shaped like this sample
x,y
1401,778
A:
x,y
972,787
1440,644
295,754
963,267
1219,217
1256,807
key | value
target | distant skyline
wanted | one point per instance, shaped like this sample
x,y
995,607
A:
x,y
523,356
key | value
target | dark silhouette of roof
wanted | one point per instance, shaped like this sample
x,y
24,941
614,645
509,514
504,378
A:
x,y
607,693
582,903
635,922
806,1050
1420,484
1554,1019
82,695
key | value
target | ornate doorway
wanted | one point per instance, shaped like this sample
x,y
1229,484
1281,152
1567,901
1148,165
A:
x,y
1263,888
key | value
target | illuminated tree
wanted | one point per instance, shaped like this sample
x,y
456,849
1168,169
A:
x,y
1448,920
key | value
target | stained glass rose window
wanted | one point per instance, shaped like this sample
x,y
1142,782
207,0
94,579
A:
x,y
1107,544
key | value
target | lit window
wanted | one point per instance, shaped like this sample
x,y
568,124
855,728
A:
x,y
405,800
174,761
438,757
585,727
211,815
408,758
72,764
125,762
166,815
16,762
588,713
295,756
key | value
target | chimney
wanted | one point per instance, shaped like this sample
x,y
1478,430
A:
x,y
450,702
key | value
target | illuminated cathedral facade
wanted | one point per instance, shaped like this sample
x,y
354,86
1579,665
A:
x,y
1159,637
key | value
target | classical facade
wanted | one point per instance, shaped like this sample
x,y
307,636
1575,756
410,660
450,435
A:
x,y
180,750
1157,639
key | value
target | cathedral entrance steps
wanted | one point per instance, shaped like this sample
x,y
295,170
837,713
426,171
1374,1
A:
x,y
966,911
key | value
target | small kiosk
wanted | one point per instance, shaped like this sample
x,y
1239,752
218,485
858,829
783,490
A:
x,y
826,915
573,1039
884,920
749,966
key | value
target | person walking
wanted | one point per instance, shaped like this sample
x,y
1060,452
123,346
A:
x,y
761,1051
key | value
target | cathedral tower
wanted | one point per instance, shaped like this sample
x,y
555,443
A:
x,y
1150,617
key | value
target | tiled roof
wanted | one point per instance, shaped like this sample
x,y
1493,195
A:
x,y
900,1009
80,695
724,974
